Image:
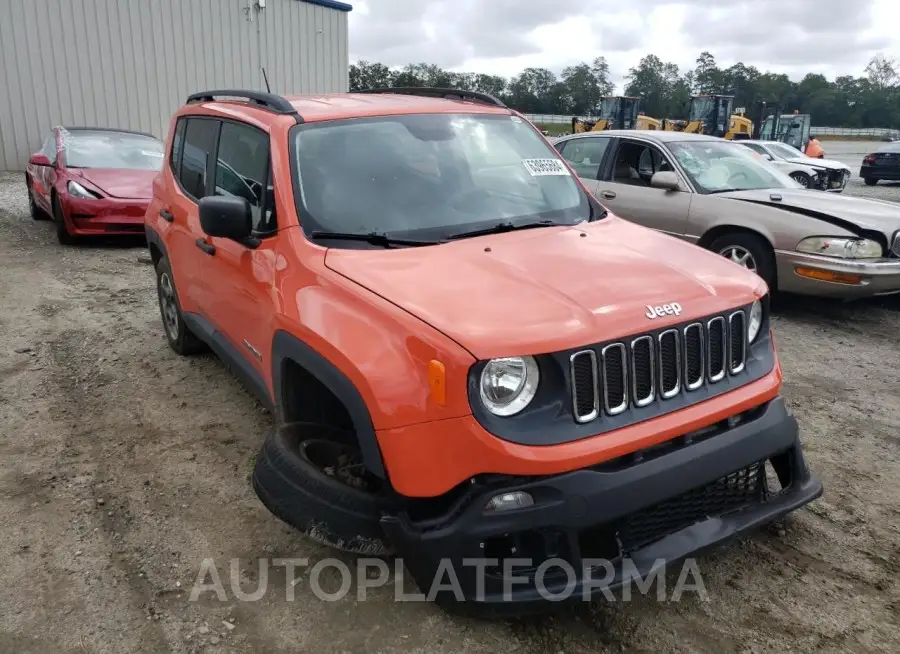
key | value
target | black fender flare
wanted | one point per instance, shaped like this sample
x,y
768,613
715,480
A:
x,y
153,239
288,347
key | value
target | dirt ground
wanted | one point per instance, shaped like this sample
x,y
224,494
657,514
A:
x,y
123,466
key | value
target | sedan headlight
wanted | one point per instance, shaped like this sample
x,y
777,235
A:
x,y
76,190
756,318
509,384
839,246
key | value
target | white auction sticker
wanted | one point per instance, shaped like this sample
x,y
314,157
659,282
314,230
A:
x,y
540,167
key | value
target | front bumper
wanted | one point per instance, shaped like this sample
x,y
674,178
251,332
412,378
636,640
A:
x,y
664,503
860,278
105,216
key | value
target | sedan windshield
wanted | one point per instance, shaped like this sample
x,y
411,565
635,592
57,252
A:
x,y
109,149
719,166
785,151
431,176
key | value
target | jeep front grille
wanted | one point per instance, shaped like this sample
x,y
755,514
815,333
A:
x,y
656,367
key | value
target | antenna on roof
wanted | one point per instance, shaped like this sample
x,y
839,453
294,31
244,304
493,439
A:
x,y
266,79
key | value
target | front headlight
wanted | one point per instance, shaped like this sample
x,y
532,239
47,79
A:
x,y
839,246
509,384
76,190
756,318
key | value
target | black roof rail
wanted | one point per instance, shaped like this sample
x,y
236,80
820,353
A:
x,y
269,101
434,92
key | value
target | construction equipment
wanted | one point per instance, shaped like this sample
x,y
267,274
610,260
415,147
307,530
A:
x,y
616,112
646,122
792,129
739,127
710,114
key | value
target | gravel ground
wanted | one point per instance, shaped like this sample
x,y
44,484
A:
x,y
124,466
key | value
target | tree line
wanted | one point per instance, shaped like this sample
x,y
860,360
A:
x,y
870,100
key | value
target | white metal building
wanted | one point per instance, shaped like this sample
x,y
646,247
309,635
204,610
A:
x,y
131,63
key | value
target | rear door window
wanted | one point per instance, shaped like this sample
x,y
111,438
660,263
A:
x,y
200,137
586,154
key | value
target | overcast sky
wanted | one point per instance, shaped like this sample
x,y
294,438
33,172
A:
x,y
833,37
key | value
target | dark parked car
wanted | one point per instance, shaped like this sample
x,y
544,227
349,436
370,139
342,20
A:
x,y
884,163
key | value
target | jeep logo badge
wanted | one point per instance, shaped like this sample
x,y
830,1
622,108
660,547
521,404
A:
x,y
673,309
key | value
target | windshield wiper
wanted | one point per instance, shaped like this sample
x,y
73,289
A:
x,y
500,228
375,238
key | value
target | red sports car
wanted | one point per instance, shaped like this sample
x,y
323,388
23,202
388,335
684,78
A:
x,y
93,180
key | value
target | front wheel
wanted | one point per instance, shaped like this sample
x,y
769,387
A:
x,y
63,235
751,251
801,178
312,477
869,181
33,209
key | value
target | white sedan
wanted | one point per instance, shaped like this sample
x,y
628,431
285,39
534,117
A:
x,y
819,174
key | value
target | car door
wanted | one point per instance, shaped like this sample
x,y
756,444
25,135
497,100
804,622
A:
x,y
624,187
586,156
193,148
242,278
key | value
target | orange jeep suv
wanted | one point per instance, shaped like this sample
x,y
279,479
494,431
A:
x,y
467,356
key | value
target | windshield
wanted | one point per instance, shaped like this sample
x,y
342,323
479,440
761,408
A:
x,y
108,149
702,107
785,151
430,175
718,166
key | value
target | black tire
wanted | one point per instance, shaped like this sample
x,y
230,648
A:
x,y
36,212
758,247
62,232
802,178
869,181
178,335
298,491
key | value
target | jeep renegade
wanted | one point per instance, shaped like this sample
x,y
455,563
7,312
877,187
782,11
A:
x,y
467,355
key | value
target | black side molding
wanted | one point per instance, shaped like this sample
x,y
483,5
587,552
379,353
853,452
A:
x,y
231,356
288,347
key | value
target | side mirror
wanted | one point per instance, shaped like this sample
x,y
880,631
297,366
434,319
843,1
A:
x,y
226,217
769,157
666,180
39,159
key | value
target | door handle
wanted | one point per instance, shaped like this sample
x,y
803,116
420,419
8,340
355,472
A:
x,y
166,215
206,247
609,195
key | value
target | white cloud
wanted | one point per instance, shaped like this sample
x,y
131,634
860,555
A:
x,y
832,37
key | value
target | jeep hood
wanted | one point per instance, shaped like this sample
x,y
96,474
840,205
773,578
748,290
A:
x,y
831,164
549,289
842,210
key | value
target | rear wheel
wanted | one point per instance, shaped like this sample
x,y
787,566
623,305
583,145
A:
x,y
801,178
751,251
312,477
869,181
180,337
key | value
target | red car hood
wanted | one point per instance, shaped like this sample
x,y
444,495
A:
x,y
119,183
552,288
